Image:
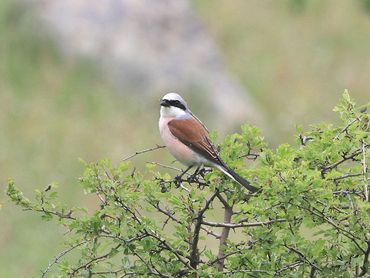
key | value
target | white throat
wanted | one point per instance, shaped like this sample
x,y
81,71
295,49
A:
x,y
173,112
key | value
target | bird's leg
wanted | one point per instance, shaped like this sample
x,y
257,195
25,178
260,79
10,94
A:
x,y
193,177
204,171
196,172
201,171
177,179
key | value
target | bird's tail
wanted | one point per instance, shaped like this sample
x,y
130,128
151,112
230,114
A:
x,y
242,181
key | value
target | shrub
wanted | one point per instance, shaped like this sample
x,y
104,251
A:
x,y
310,218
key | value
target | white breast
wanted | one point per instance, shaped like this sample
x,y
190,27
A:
x,y
180,151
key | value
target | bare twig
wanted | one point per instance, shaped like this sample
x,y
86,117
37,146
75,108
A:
x,y
157,147
59,256
346,127
166,166
210,232
229,254
349,175
240,225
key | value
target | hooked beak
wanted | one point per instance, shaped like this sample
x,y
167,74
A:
x,y
165,103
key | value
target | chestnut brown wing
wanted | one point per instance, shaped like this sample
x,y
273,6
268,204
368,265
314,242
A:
x,y
192,133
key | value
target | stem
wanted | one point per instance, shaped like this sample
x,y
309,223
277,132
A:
x,y
143,151
365,265
224,236
364,171
194,253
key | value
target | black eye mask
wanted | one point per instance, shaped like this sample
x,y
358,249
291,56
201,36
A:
x,y
175,103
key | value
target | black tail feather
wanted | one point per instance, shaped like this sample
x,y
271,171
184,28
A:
x,y
242,181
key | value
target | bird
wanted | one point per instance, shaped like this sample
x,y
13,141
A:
x,y
187,139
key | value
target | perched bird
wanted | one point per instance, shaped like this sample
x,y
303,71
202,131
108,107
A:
x,y
187,139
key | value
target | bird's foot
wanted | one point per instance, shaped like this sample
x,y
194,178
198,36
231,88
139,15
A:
x,y
204,171
177,181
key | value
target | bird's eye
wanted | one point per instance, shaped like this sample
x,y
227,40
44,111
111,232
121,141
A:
x,y
177,103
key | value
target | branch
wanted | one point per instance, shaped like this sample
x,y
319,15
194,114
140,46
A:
x,y
364,170
173,218
116,272
346,233
56,213
347,192
224,236
210,232
247,271
157,147
302,256
149,269
59,256
365,264
345,158
165,166
240,225
349,175
96,259
222,200
126,241
289,266
249,154
152,233
194,253
178,254
346,127
218,259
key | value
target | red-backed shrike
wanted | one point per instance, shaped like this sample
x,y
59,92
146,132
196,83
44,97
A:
x,y
187,138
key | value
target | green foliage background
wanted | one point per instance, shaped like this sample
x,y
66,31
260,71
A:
x,y
55,110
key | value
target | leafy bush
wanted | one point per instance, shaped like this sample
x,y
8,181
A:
x,y
310,218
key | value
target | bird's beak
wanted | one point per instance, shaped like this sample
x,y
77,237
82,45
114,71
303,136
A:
x,y
165,103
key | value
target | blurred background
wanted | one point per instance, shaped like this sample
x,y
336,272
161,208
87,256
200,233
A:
x,y
82,79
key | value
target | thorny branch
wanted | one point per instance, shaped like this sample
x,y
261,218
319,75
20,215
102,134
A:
x,y
59,256
157,147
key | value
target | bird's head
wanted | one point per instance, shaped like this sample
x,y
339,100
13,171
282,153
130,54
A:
x,y
173,105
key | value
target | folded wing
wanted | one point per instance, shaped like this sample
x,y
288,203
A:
x,y
192,133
